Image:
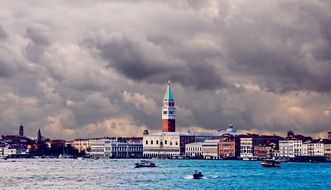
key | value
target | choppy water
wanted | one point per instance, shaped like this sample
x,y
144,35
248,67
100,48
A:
x,y
171,174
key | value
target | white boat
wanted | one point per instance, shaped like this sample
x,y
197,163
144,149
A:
x,y
145,163
270,163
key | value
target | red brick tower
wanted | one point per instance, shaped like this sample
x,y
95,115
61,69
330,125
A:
x,y
168,111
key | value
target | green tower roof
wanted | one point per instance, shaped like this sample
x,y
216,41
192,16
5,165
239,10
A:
x,y
169,95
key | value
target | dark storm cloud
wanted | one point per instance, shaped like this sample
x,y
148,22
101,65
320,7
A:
x,y
284,55
99,68
140,59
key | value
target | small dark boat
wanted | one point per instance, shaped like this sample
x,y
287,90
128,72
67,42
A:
x,y
197,175
270,163
144,163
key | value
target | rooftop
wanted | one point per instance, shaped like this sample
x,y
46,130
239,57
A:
x,y
172,134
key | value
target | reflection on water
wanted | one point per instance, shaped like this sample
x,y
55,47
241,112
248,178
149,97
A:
x,y
171,174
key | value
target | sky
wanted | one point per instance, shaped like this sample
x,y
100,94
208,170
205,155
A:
x,y
85,68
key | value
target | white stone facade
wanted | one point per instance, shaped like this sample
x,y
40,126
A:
x,y
166,144
194,150
246,147
210,149
313,149
107,148
290,148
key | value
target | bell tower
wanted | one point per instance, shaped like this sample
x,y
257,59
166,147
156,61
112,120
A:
x,y
168,111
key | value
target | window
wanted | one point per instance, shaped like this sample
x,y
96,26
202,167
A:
x,y
151,141
146,141
157,142
164,112
171,112
165,142
176,142
170,142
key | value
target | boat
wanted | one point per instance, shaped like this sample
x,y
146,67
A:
x,y
197,175
145,163
270,163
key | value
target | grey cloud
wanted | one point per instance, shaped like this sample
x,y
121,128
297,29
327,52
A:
x,y
274,51
140,59
3,33
39,41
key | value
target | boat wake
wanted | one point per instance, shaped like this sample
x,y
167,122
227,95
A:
x,y
214,176
189,177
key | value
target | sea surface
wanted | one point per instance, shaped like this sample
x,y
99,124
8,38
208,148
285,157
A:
x,y
52,174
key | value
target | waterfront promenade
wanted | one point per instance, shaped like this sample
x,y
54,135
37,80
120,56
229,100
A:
x,y
171,174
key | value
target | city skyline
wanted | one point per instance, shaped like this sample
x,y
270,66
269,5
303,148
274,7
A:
x,y
93,69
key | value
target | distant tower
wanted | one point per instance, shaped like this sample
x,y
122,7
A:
x,y
21,131
168,111
39,137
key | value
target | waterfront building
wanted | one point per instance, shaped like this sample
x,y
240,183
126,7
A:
x,y
229,146
246,147
123,150
110,148
21,130
166,144
168,111
16,141
264,150
290,148
248,141
194,150
98,147
210,149
6,151
313,148
327,147
81,144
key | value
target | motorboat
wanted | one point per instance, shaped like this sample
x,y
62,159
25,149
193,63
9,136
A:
x,y
270,163
145,163
197,175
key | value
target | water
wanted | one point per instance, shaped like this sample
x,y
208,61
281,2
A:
x,y
171,174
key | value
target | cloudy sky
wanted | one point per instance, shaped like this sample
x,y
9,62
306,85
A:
x,y
86,68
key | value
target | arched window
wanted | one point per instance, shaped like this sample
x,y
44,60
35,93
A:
x,y
165,142
151,141
157,142
176,142
146,141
